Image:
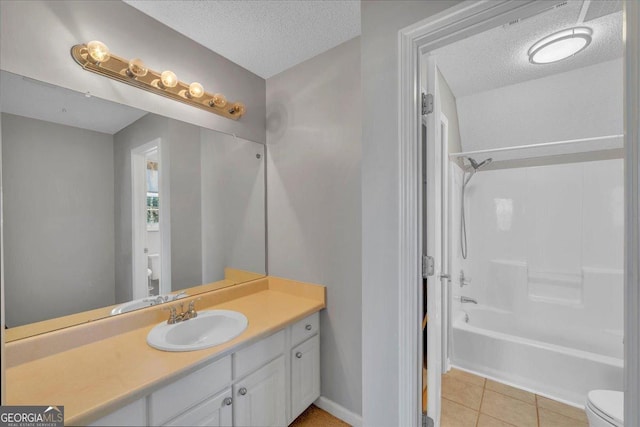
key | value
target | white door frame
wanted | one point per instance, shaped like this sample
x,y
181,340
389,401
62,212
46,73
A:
x,y
632,214
455,23
138,224
447,274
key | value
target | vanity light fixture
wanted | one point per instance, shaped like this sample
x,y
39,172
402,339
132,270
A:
x,y
560,45
96,57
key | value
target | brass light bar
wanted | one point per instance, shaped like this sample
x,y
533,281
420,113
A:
x,y
95,57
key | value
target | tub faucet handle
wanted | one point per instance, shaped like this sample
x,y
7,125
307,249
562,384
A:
x,y
463,280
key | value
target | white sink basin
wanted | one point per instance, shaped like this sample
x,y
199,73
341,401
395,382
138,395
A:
x,y
210,328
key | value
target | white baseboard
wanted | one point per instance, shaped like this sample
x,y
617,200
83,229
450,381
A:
x,y
339,411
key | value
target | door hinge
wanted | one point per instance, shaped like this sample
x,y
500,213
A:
x,y
427,103
427,266
426,421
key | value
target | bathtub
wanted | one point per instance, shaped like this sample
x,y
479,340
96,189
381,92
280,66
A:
x,y
561,363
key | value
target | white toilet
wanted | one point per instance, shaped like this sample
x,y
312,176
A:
x,y
605,408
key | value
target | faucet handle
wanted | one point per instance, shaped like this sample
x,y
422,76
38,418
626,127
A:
x,y
192,308
172,315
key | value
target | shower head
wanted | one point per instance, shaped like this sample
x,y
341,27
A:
x,y
475,165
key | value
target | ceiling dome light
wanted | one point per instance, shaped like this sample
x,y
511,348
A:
x,y
560,45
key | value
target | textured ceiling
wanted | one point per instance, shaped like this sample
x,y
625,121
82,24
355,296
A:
x,y
26,97
498,57
265,37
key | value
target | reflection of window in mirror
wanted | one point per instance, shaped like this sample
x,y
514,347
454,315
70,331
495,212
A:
x,y
153,199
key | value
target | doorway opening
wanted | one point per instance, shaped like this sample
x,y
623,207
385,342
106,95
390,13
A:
x,y
546,286
150,254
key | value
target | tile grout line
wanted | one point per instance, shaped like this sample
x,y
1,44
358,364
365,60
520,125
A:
x,y
537,410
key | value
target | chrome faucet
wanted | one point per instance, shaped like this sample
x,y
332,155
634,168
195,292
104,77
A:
x,y
464,300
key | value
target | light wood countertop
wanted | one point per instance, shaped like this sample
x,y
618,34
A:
x,y
100,376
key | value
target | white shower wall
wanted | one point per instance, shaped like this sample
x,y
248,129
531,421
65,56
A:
x,y
546,243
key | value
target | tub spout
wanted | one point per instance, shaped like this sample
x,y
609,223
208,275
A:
x,y
464,300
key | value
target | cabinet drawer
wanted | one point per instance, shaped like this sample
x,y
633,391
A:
x,y
305,328
213,412
256,355
186,392
134,414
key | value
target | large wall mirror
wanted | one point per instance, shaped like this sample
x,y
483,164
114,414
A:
x,y
108,208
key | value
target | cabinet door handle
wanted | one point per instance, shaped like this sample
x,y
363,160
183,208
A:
x,y
242,391
308,327
299,355
228,401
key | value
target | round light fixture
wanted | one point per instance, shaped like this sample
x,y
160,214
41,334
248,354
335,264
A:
x,y
560,45
168,79
238,108
218,100
196,90
137,68
98,51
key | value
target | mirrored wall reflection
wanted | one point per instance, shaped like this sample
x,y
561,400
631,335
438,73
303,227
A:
x,y
108,208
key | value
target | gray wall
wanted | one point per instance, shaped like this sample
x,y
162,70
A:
x,y
39,32
233,226
581,103
314,209
58,219
186,230
381,21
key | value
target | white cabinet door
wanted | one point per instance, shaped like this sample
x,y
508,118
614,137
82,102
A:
x,y
305,375
214,412
259,399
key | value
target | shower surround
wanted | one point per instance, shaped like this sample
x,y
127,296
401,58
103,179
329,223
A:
x,y
545,263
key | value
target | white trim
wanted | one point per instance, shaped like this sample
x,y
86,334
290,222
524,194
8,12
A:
x,y
410,246
430,213
446,241
632,213
455,23
164,192
339,411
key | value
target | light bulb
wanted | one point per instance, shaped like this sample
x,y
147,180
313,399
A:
x,y
218,100
238,108
168,79
196,90
137,68
98,51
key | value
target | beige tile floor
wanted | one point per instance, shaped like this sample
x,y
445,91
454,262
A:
x,y
472,401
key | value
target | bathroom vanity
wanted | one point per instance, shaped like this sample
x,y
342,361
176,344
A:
x,y
106,374
269,382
